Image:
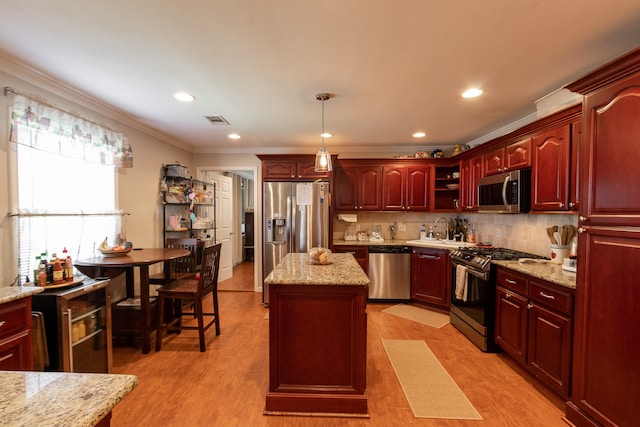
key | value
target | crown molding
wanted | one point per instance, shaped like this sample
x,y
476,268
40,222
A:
x,y
42,81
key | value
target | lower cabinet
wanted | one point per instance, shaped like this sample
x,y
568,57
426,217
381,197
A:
x,y
15,335
359,252
534,325
430,276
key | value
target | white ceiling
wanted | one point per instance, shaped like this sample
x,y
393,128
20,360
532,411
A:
x,y
394,67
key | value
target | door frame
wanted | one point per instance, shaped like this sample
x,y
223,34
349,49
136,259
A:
x,y
257,222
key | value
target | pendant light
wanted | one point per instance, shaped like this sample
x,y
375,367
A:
x,y
323,158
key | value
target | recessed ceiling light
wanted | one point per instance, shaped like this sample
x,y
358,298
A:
x,y
419,135
326,135
234,136
184,96
472,93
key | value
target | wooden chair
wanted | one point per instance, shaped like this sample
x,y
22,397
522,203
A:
x,y
194,290
181,267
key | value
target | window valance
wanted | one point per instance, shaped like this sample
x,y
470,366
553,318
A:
x,y
47,128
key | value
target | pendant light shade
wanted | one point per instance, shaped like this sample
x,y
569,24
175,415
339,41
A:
x,y
323,158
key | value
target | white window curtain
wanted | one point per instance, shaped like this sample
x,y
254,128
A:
x,y
66,184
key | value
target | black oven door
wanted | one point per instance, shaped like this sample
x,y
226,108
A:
x,y
477,299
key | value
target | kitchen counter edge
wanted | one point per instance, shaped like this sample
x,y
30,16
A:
x,y
12,293
61,398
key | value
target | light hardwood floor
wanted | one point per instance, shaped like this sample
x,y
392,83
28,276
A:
x,y
226,385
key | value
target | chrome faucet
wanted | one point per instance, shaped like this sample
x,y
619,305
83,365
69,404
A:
x,y
446,225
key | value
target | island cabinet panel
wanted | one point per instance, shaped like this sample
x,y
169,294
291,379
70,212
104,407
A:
x,y
15,335
317,347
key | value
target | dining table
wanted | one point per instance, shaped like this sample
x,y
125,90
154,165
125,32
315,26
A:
x,y
141,258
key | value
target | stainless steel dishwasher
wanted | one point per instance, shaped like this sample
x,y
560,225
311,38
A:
x,y
389,272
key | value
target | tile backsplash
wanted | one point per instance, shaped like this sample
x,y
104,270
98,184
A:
x,y
523,232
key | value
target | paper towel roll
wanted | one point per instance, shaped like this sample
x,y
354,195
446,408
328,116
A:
x,y
348,217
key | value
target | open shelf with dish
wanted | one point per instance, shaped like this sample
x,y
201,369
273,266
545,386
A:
x,y
446,186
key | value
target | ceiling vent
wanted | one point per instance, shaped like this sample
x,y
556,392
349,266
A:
x,y
217,120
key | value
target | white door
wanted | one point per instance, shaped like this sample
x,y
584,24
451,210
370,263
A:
x,y
224,221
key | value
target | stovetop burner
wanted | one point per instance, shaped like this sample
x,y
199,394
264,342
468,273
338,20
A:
x,y
482,257
501,254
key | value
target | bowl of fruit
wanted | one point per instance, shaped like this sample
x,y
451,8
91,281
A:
x,y
112,251
320,256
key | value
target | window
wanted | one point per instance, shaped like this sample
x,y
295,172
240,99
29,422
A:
x,y
66,184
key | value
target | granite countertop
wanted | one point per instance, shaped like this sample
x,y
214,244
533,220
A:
x,y
11,293
340,242
295,270
60,398
547,271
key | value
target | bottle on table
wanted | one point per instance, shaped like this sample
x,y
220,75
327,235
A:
x,y
68,265
58,274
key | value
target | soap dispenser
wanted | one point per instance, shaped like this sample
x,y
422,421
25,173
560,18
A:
x,y
431,235
423,232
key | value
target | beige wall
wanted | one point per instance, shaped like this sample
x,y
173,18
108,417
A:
x,y
137,187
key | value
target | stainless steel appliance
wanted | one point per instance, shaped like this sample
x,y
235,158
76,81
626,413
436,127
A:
x,y
78,326
473,298
508,192
296,218
389,272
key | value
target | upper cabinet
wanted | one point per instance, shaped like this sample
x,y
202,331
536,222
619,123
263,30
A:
x,y
406,187
358,186
290,168
446,187
550,175
513,156
470,174
574,165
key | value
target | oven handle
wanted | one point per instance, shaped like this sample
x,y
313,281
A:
x,y
481,276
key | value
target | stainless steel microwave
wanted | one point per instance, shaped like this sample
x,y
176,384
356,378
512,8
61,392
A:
x,y
508,192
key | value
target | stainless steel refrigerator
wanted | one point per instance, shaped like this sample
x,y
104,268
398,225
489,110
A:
x,y
296,218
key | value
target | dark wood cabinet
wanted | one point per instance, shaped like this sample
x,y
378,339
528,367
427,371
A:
x,y
534,325
446,188
470,174
406,187
15,335
511,323
290,167
550,177
516,155
430,276
574,165
605,363
358,187
317,349
359,252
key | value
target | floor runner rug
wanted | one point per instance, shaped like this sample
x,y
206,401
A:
x,y
417,314
429,388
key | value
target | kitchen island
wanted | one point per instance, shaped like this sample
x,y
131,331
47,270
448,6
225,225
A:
x,y
60,398
317,337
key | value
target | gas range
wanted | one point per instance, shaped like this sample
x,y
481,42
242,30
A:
x,y
480,258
